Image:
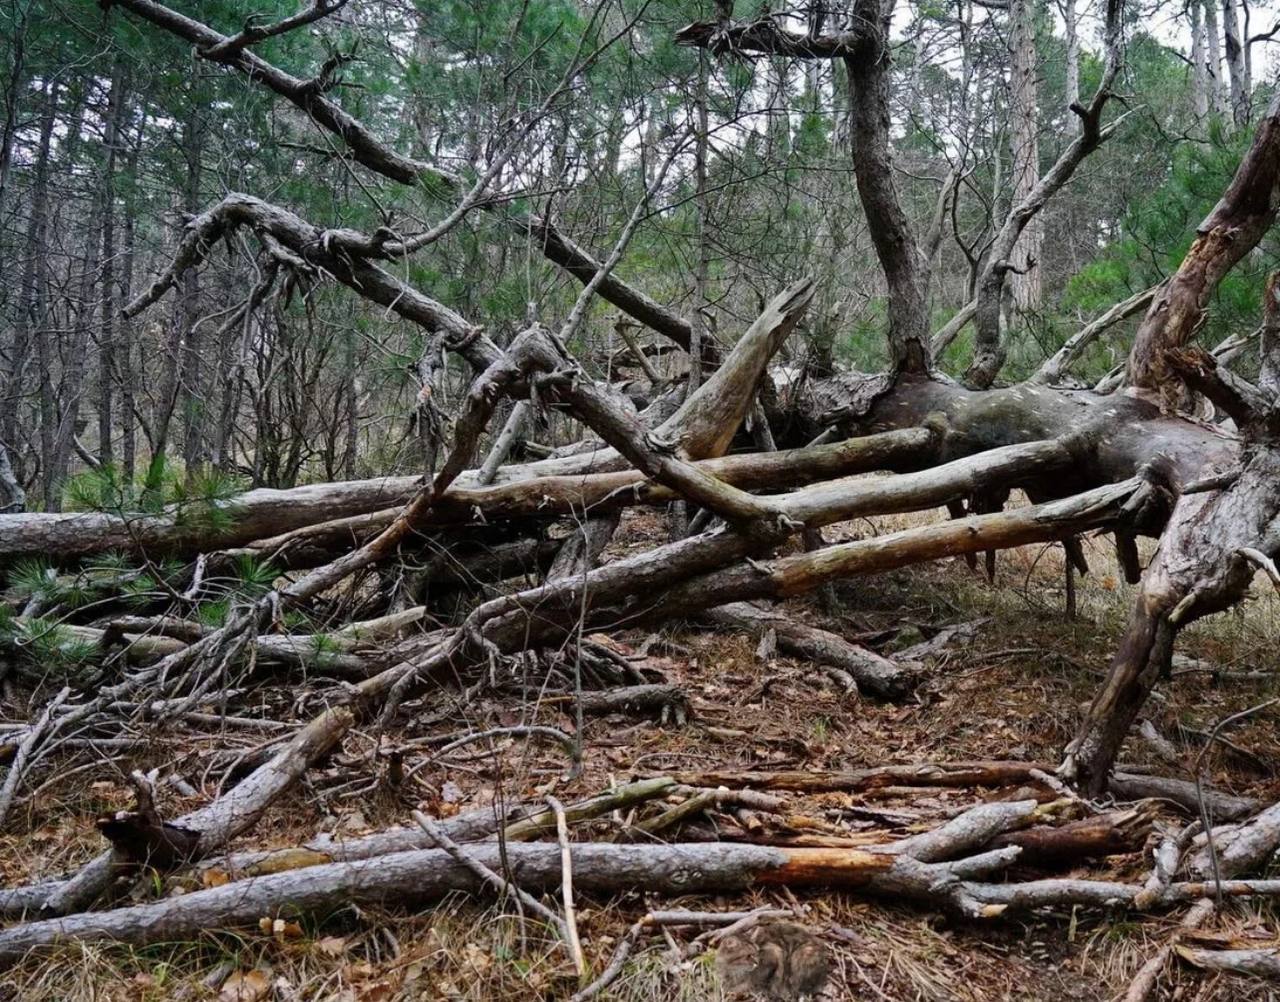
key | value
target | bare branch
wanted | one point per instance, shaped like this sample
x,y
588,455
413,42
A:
x,y
252,33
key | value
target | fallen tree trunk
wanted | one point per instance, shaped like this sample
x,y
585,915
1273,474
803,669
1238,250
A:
x,y
331,655
908,866
557,495
1238,849
411,878
1098,835
1254,963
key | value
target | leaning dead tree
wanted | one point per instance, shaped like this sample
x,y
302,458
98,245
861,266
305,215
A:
x,y
1128,463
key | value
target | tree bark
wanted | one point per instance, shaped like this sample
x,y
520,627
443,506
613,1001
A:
x,y
871,672
29,320
1217,85
1236,70
1199,67
111,138
891,231
1024,142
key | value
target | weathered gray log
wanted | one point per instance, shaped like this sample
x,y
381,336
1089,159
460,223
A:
x,y
967,832
1240,848
1254,963
410,878
656,697
332,655
872,672
551,495
1135,786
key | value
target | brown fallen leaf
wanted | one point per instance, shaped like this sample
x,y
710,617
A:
x,y
331,946
213,877
360,970
246,986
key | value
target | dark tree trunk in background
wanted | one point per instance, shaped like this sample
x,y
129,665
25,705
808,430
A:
x,y
116,102
85,312
127,358
185,314
351,386
14,91
29,319
891,232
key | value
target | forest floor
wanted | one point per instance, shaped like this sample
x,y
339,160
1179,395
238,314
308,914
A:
x,y
1009,684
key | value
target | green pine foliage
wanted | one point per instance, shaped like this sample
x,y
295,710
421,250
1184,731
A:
x,y
45,649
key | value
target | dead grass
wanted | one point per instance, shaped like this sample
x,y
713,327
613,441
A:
x,y
1013,691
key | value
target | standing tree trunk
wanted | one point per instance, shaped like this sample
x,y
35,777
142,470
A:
x,y
71,391
1070,21
698,325
1024,141
13,93
891,231
12,496
125,358
1199,71
192,391
186,312
110,304
351,390
1217,86
1237,72
28,318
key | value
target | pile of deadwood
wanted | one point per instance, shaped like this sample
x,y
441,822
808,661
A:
x,y
339,545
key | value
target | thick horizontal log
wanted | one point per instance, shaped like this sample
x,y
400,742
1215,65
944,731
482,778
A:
x,y
257,513
1254,963
556,495
699,563
1114,435
794,575
1099,835
410,878
407,879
